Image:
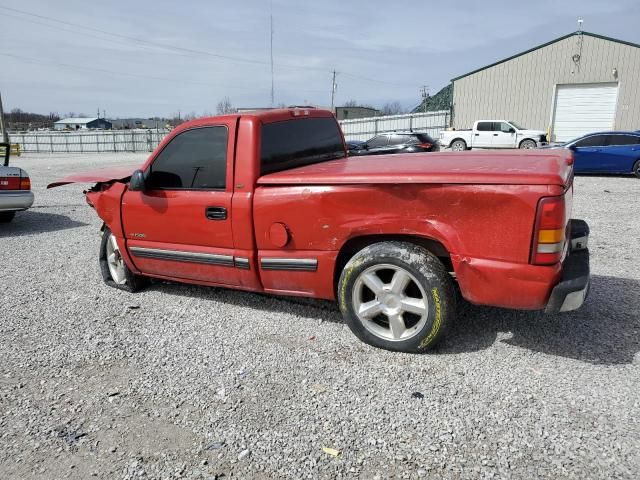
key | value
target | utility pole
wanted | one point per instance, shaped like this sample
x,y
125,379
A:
x,y
5,135
424,92
271,20
334,86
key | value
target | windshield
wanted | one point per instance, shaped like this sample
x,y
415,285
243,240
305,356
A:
x,y
516,125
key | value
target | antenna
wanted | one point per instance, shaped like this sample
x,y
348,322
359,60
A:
x,y
271,51
580,22
334,87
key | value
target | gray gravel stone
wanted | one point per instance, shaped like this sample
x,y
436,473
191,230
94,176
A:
x,y
506,395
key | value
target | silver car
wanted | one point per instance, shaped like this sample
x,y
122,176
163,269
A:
x,y
15,188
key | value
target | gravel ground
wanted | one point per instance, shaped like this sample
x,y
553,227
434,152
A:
x,y
188,382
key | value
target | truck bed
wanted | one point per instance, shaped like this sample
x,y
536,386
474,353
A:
x,y
480,168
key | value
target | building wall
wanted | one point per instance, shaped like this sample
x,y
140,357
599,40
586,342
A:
x,y
523,89
350,113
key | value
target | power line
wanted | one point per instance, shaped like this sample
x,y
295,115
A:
x,y
157,44
122,74
174,48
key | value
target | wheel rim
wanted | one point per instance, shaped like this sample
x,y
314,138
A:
x,y
527,145
457,147
390,302
115,262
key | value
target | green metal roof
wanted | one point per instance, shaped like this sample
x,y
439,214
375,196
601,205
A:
x,y
595,35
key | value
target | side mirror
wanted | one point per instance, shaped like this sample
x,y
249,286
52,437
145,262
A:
x,y
136,184
512,130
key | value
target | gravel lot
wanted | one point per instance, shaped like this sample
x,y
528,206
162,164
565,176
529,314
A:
x,y
188,382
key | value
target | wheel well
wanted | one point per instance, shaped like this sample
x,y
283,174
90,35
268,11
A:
x,y
456,139
525,139
354,245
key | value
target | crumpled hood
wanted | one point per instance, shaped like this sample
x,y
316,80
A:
x,y
97,176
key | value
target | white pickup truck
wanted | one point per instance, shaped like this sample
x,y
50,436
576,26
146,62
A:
x,y
492,134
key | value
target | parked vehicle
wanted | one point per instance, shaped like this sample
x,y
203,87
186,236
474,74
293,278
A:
x,y
354,145
269,202
492,134
15,188
397,142
606,152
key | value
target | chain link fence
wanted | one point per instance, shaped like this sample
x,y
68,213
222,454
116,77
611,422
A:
x,y
94,141
144,140
431,123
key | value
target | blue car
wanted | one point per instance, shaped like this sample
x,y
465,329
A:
x,y
606,152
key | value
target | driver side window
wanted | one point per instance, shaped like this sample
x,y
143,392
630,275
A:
x,y
194,160
592,141
379,141
504,127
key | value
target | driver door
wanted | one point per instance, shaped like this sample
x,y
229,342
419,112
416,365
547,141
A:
x,y
503,137
180,225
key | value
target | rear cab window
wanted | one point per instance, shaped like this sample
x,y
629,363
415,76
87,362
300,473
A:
x,y
298,142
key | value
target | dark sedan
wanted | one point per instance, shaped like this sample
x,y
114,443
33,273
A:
x,y
606,152
386,143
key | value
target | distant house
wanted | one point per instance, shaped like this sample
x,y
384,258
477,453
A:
x,y
349,113
82,124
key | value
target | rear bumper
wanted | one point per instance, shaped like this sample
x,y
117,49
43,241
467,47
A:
x,y
15,200
573,288
525,286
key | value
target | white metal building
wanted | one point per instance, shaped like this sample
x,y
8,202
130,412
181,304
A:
x,y
82,123
575,84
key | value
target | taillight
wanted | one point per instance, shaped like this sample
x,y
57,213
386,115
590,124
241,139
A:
x,y
549,234
425,145
25,183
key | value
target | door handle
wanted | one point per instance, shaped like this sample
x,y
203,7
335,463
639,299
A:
x,y
495,134
477,134
216,213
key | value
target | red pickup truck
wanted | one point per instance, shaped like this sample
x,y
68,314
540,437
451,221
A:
x,y
269,202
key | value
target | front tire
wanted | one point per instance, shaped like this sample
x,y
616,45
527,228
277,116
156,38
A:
x,y
528,144
115,272
397,296
6,217
459,146
636,169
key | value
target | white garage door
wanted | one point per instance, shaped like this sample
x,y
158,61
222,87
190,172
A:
x,y
584,108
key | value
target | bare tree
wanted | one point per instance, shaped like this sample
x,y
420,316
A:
x,y
224,106
392,108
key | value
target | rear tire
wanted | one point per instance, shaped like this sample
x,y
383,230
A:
x,y
397,296
528,144
459,146
115,272
6,217
636,169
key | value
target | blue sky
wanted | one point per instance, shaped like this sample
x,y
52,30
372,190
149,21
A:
x,y
106,54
